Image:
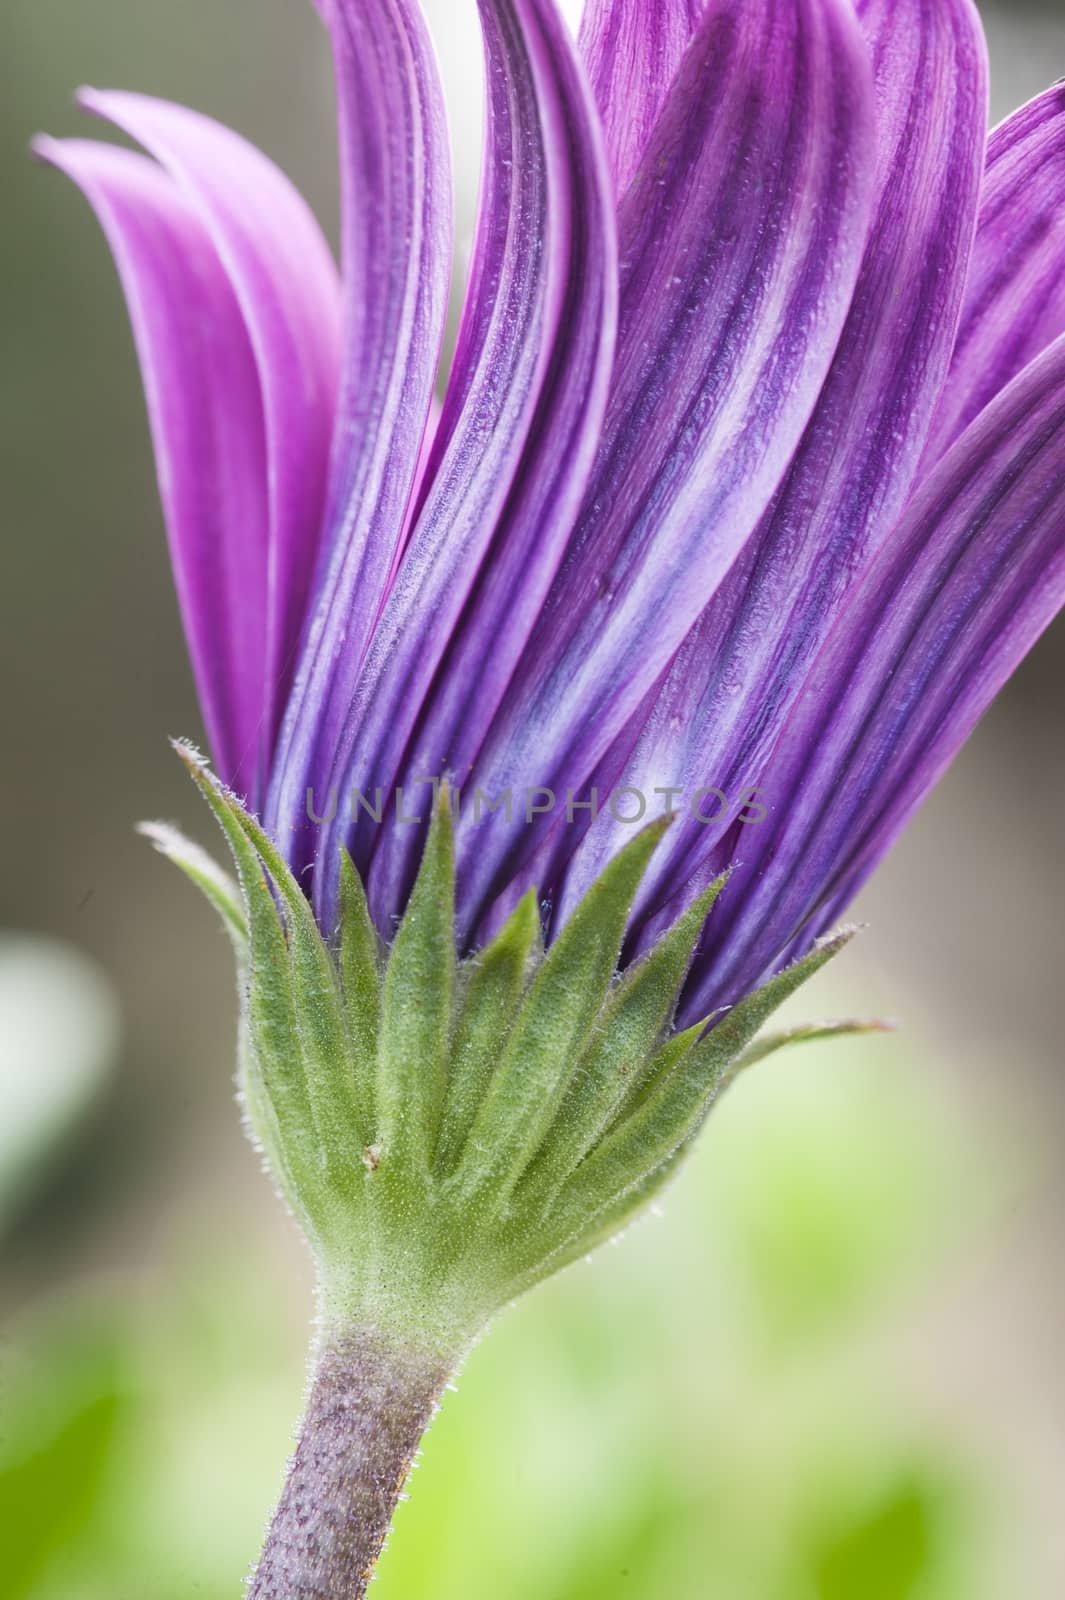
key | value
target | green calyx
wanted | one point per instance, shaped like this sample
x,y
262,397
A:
x,y
450,1132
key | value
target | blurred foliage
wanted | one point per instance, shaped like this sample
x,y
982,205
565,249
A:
x,y
58,1042
693,1415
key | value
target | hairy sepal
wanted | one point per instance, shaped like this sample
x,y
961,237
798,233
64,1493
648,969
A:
x,y
621,1054
449,1132
551,1032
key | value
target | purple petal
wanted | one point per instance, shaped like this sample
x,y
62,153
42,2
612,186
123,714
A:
x,y
741,237
734,680
516,442
1015,304
974,575
285,280
547,867
206,412
396,216
632,50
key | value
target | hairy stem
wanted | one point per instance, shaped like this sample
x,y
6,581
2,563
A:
x,y
370,1403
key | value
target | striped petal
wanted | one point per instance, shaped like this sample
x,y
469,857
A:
x,y
517,440
206,412
741,239
396,227
632,50
1015,303
974,575
732,683
286,283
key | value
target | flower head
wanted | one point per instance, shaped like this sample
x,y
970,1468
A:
x,y
745,496
748,487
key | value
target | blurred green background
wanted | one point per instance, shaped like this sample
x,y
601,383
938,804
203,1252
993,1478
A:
x,y
830,1372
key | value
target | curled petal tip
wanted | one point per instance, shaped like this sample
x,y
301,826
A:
x,y
92,101
77,159
43,147
84,161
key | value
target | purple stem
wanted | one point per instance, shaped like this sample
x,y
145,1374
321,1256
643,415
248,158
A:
x,y
370,1403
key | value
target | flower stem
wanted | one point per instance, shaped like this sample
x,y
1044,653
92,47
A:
x,y
370,1403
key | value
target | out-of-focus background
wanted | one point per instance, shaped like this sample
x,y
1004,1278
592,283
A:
x,y
830,1372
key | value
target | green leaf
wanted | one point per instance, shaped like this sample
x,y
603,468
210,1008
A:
x,y
495,982
552,1030
675,1109
886,1550
614,1066
64,1408
417,1012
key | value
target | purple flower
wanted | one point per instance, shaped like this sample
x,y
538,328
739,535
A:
x,y
747,492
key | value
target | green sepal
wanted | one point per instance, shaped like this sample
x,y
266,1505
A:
x,y
620,1054
607,1226
495,982
809,1033
317,1005
671,1114
204,871
273,1081
657,1069
727,1050
564,1001
419,988
362,964
614,1220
